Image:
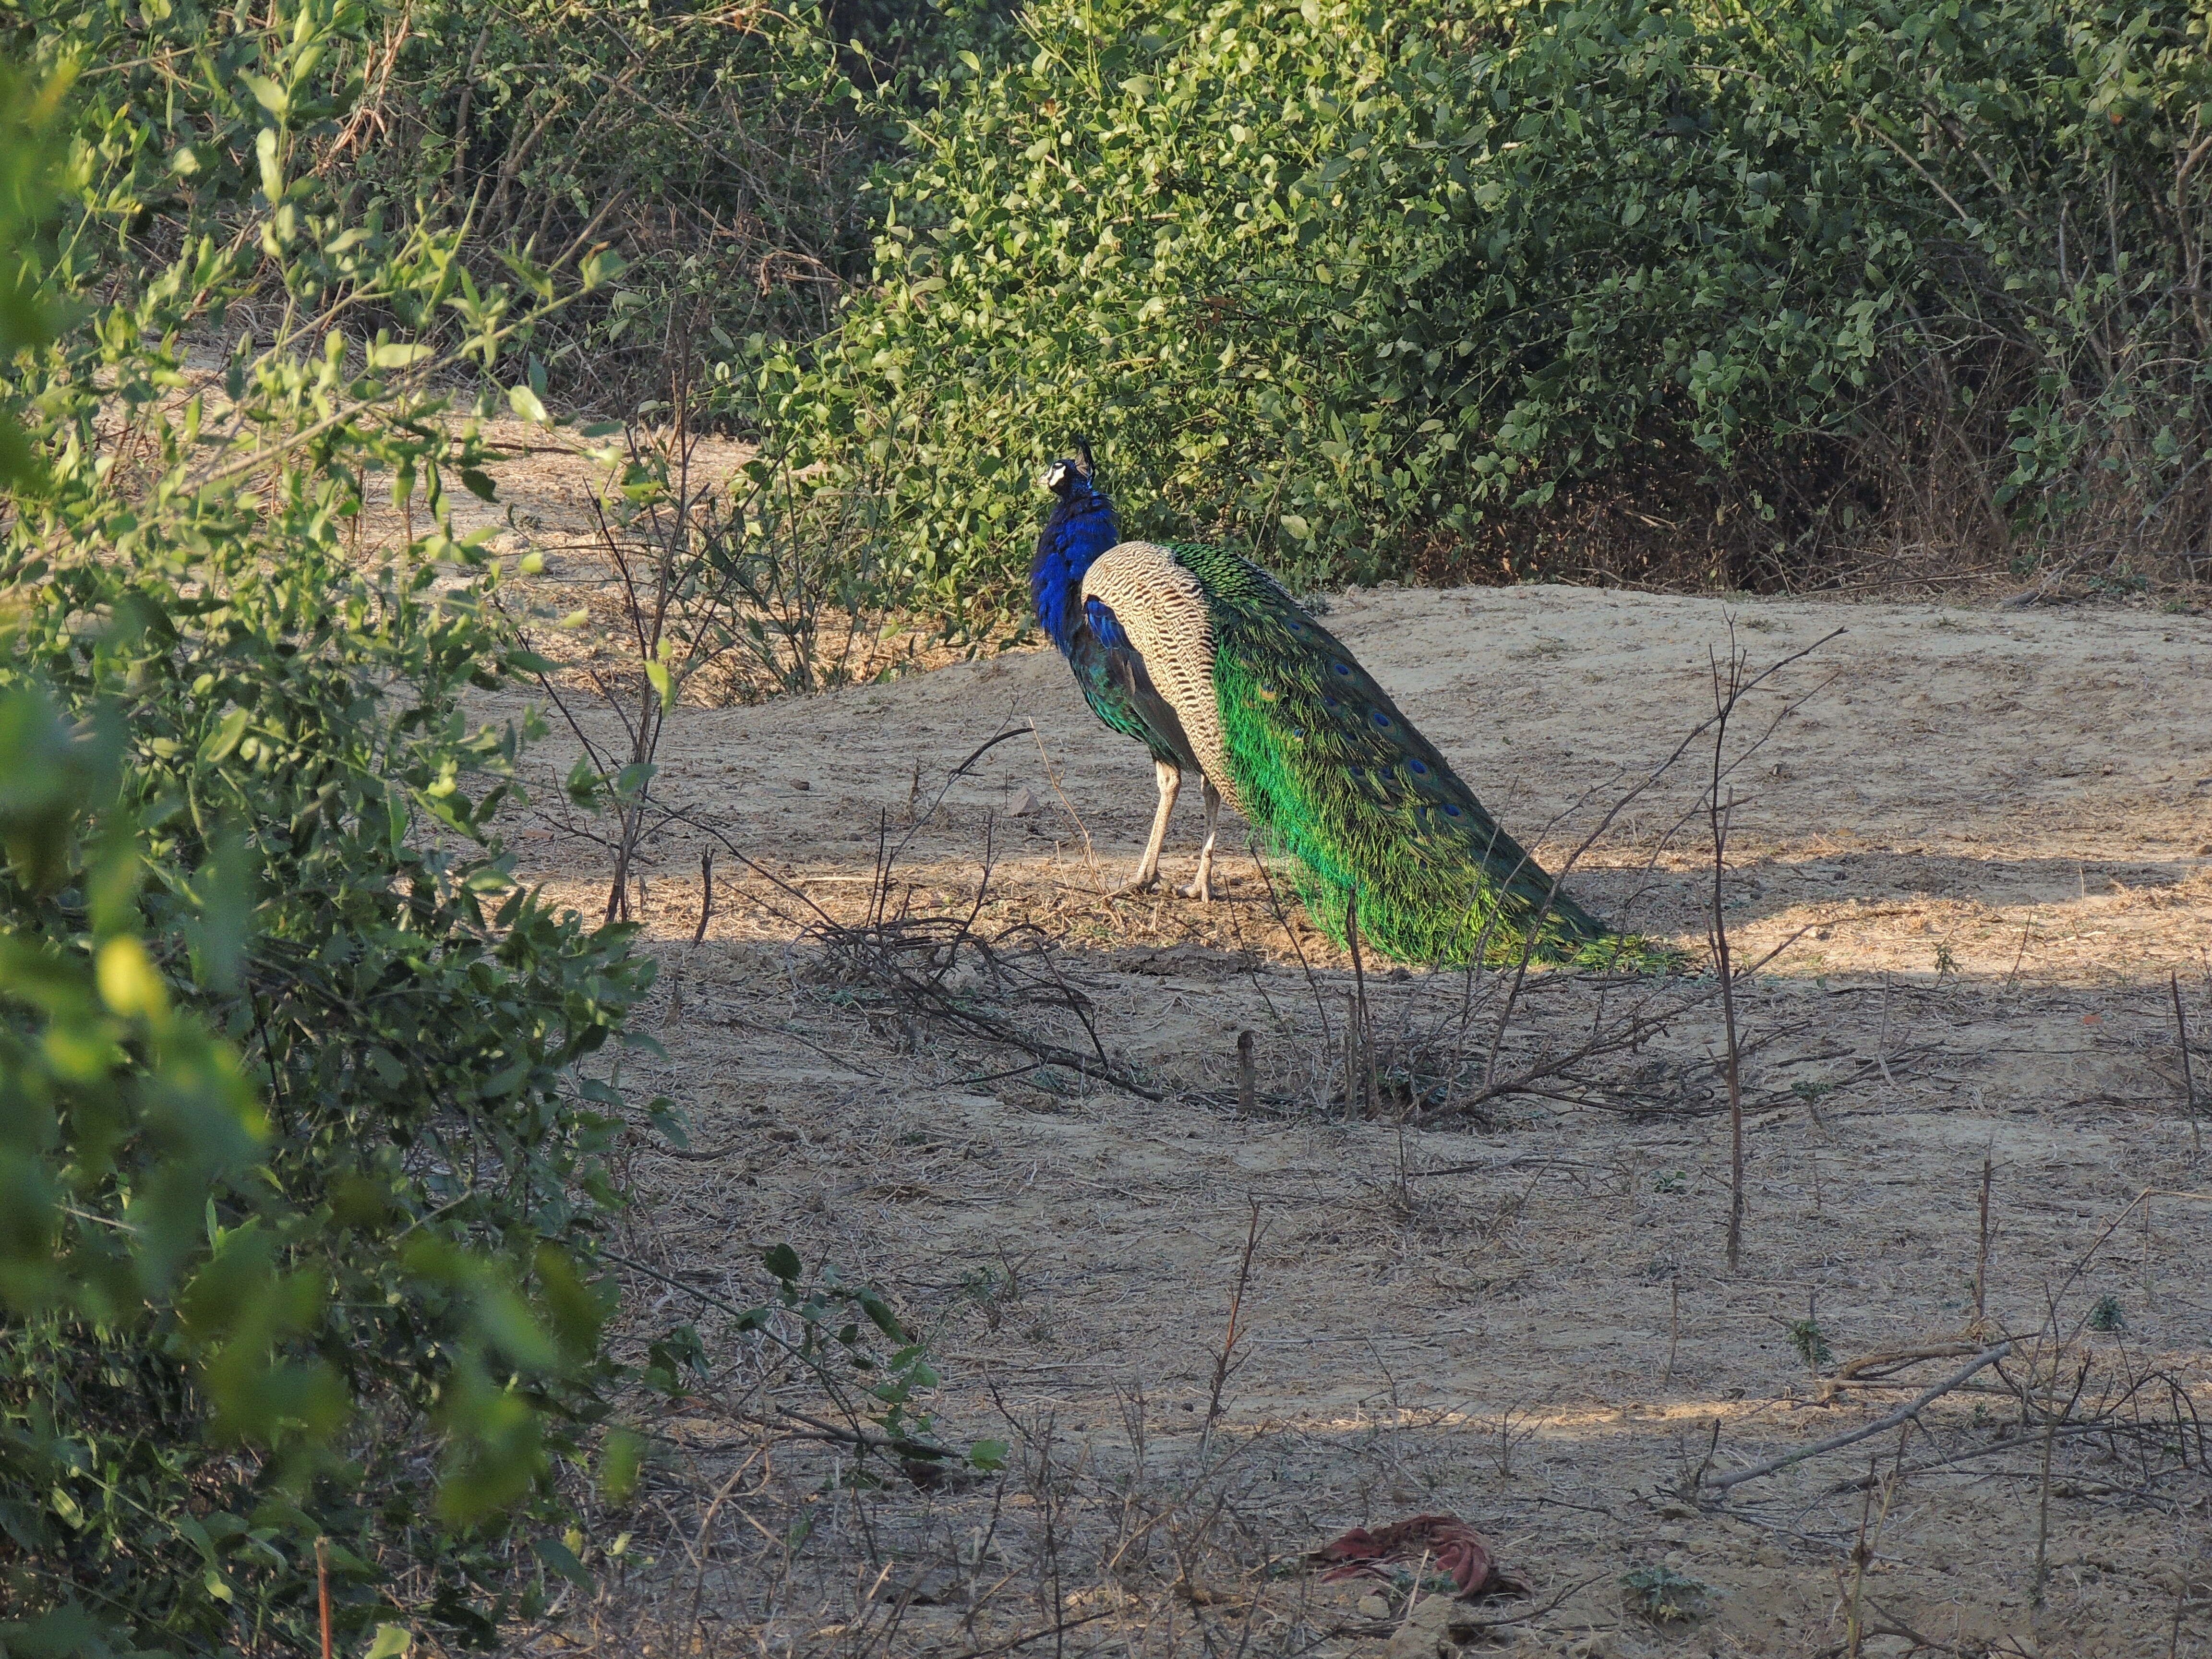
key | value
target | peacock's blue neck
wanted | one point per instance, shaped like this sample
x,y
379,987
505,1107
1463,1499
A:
x,y
1081,528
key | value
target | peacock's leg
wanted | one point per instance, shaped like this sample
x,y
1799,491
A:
x,y
1148,868
1201,886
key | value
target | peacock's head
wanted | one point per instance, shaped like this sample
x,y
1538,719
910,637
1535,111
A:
x,y
1063,477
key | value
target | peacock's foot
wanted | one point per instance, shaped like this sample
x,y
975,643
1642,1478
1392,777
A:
x,y
1202,890
1142,882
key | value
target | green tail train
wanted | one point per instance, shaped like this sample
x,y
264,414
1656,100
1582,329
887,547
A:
x,y
1334,774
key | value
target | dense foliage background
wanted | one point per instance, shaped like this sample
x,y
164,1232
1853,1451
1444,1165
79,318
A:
x,y
718,150
1706,292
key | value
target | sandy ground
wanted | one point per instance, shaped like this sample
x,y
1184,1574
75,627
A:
x,y
1984,834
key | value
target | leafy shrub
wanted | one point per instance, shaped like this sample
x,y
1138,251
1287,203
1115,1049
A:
x,y
1369,289
715,148
303,1145
720,151
302,1165
1810,1343
407,1223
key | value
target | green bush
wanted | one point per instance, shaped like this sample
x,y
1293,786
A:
x,y
305,1105
399,1218
720,151
1367,289
300,1164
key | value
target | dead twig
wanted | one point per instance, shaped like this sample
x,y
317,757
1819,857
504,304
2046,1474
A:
x,y
2188,1073
1223,1361
1055,1631
2052,1419
706,894
1726,694
1982,1253
323,1589
1911,1409
1884,1362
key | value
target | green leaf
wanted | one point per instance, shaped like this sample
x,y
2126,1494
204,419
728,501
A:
x,y
559,1558
128,982
988,1455
880,1315
599,268
584,784
504,1319
267,94
668,1120
620,1463
578,1310
222,744
267,150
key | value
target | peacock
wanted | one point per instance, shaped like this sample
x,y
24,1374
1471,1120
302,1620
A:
x,y
1208,661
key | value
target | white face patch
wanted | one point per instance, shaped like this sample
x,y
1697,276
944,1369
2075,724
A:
x,y
1054,476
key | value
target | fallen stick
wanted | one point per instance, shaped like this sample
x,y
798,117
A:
x,y
1885,1361
1912,1409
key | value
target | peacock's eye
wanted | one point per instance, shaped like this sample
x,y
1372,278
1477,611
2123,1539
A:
x,y
1382,720
1449,808
1341,669
1419,770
